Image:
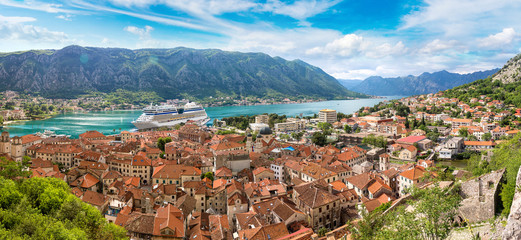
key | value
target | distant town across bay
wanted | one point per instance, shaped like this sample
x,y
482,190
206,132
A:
x,y
113,122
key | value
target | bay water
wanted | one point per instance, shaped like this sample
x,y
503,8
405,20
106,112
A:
x,y
113,122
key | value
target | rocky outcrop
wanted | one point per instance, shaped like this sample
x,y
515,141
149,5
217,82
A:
x,y
511,72
513,227
171,73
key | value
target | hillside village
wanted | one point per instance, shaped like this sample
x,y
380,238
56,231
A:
x,y
193,183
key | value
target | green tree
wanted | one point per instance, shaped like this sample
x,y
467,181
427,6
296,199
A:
x,y
433,211
161,142
487,136
208,175
319,138
348,129
297,136
13,170
464,132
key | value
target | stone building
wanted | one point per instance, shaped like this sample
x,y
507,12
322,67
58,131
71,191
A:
x,y
480,196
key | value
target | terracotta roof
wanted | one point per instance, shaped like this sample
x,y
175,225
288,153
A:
x,y
169,217
339,186
139,160
268,232
410,139
223,172
175,171
227,145
413,173
314,196
40,163
260,170
411,148
377,186
92,134
479,143
93,198
30,138
361,181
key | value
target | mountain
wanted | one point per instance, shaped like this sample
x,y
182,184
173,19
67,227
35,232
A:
x,y
505,86
415,85
350,83
511,72
171,73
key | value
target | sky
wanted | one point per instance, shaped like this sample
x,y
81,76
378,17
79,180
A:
x,y
349,39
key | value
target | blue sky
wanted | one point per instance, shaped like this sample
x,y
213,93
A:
x,y
349,39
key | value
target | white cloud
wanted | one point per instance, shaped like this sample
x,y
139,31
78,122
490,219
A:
x,y
66,17
438,45
498,40
352,45
130,3
15,35
36,5
300,10
13,20
287,43
463,18
141,32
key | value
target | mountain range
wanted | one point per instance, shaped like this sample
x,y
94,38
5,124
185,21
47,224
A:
x,y
171,73
414,85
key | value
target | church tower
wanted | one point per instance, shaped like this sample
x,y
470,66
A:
x,y
5,144
249,142
17,149
384,162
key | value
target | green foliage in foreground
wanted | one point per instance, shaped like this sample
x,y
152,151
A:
x,y
507,155
431,218
44,208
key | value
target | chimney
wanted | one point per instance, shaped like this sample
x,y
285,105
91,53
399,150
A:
x,y
330,188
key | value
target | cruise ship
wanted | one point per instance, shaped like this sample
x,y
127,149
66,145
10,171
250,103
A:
x,y
170,115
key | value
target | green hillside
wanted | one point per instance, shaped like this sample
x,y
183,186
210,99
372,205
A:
x,y
171,73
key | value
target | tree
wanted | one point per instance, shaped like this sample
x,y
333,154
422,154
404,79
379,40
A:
x,y
161,142
319,138
297,136
324,126
1,120
406,122
487,136
208,175
14,170
348,129
431,217
464,132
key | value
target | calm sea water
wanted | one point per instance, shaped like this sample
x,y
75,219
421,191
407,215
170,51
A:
x,y
112,122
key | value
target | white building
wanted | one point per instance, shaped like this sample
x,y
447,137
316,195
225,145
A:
x,y
327,115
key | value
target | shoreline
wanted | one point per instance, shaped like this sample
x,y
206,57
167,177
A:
x,y
307,108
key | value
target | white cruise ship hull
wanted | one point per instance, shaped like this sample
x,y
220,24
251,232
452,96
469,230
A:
x,y
170,120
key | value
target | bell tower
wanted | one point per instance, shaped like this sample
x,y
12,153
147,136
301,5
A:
x,y
17,149
5,144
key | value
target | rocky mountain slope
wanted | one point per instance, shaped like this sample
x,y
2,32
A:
x,y
415,85
172,73
511,72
